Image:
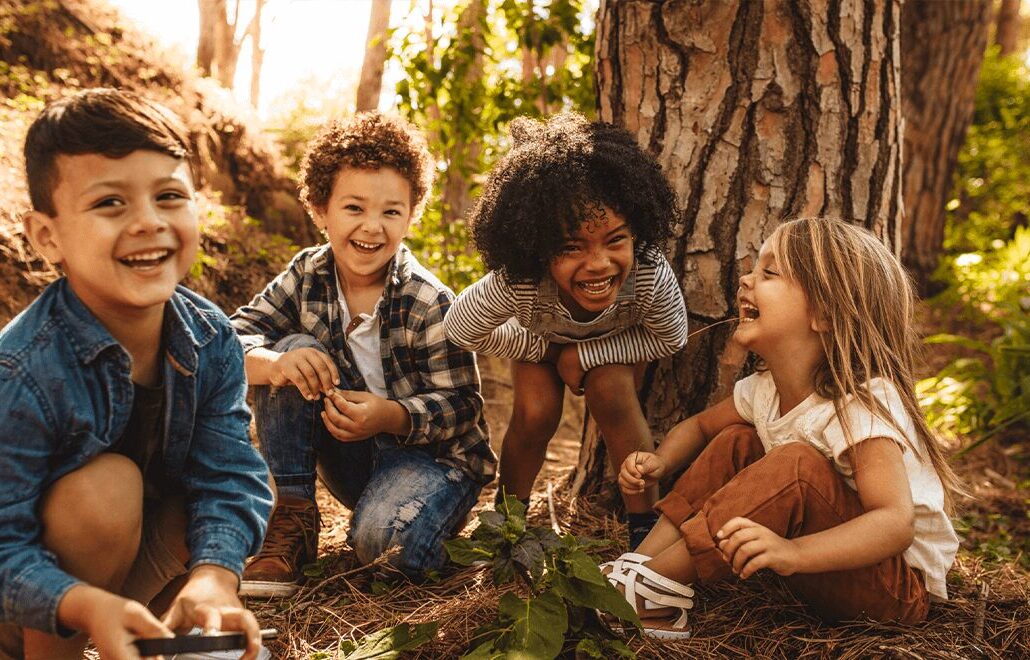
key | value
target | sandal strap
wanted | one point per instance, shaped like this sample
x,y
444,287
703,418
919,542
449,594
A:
x,y
657,591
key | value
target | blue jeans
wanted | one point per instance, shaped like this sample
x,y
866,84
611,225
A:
x,y
400,495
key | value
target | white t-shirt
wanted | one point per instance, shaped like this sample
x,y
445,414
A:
x,y
363,341
815,421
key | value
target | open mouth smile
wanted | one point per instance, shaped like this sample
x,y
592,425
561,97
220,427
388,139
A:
x,y
597,288
748,312
146,260
365,248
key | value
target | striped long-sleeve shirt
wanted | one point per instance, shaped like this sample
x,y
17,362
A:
x,y
517,320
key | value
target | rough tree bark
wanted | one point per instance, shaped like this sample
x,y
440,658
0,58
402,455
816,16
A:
x,y
757,111
375,57
942,47
1006,34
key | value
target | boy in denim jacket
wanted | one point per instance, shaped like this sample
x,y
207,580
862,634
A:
x,y
354,374
124,456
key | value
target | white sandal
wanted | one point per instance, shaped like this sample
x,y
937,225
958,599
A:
x,y
656,591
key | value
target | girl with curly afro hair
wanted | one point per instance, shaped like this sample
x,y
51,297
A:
x,y
571,225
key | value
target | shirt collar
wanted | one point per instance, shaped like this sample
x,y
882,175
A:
x,y
398,270
185,328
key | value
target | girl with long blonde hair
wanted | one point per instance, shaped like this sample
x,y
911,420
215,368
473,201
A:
x,y
820,467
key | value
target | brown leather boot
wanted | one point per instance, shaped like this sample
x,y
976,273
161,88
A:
x,y
291,542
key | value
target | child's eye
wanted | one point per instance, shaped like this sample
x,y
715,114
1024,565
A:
x,y
393,212
770,272
620,238
569,249
108,202
353,208
172,196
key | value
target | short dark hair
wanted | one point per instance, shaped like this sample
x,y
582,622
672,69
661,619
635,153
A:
x,y
366,141
108,122
556,175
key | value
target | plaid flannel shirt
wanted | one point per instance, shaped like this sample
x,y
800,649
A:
x,y
436,381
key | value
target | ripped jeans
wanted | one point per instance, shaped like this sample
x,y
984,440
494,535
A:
x,y
399,495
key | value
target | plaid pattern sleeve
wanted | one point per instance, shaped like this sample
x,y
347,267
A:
x,y
276,311
433,378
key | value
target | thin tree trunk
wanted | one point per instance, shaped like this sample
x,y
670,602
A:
x,y
375,56
206,40
942,47
1007,33
757,111
257,55
457,195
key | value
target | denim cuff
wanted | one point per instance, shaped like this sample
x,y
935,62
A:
x,y
222,546
33,597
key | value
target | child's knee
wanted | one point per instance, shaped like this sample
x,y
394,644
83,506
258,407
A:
x,y
298,340
536,416
98,506
610,390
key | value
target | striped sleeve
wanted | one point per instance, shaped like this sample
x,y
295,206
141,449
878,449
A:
x,y
662,329
483,319
273,313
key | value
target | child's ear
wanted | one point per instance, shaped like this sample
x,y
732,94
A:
x,y
819,323
42,234
318,216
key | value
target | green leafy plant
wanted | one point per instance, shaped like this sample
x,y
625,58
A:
x,y
388,643
988,390
567,590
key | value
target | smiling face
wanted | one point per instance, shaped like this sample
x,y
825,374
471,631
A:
x,y
125,230
593,264
366,218
774,313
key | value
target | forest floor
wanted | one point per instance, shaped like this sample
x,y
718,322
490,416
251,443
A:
x,y
987,616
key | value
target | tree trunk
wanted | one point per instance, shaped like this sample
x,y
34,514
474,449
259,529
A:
x,y
1007,33
206,40
257,55
757,111
375,57
457,196
942,47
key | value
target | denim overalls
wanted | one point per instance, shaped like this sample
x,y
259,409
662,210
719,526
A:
x,y
552,322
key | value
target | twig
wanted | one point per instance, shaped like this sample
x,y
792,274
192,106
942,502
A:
x,y
981,610
550,508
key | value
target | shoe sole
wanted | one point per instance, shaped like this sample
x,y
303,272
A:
x,y
661,633
267,589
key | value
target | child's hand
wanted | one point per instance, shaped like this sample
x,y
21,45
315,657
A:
x,y
570,369
350,415
749,547
311,370
116,622
209,601
639,470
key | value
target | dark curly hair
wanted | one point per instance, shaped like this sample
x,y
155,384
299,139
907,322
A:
x,y
557,175
367,141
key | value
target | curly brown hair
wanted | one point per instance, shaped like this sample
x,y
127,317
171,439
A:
x,y
557,175
367,141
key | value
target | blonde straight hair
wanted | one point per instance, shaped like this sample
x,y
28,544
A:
x,y
859,289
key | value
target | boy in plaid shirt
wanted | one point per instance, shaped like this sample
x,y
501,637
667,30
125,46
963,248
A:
x,y
353,373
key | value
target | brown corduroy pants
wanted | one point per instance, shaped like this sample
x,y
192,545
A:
x,y
794,491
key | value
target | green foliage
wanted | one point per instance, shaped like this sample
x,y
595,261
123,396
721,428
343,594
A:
x,y
988,391
567,590
992,191
467,74
388,643
986,264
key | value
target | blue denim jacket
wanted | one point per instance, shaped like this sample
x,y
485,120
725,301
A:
x,y
66,394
